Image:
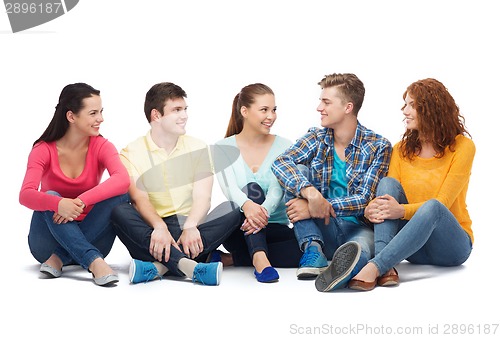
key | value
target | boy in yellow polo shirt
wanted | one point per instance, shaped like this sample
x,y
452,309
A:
x,y
167,226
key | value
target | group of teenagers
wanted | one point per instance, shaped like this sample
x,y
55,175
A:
x,y
340,204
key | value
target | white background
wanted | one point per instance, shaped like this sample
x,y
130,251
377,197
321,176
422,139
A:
x,y
212,49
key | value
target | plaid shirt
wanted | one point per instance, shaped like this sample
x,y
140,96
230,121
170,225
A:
x,y
367,161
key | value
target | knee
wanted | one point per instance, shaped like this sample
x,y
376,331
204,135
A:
x,y
53,193
432,207
254,192
232,206
228,212
119,212
367,248
120,199
234,213
386,186
227,208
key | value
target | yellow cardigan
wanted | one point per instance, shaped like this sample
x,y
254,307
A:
x,y
445,179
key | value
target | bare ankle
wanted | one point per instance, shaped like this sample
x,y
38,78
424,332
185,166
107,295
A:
x,y
368,273
55,262
260,261
100,268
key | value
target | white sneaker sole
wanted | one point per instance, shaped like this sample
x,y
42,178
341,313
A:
x,y
219,273
309,272
131,271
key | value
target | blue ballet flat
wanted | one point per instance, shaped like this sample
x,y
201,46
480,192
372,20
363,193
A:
x,y
268,275
215,256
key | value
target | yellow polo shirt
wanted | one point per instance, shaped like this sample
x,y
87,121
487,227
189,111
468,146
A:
x,y
168,178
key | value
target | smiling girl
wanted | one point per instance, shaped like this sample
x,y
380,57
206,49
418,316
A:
x,y
264,239
71,218
420,212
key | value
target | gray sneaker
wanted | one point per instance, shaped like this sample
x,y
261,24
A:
x,y
338,274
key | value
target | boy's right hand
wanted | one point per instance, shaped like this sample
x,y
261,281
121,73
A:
x,y
159,246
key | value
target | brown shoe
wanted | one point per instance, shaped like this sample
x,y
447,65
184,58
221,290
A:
x,y
360,285
389,280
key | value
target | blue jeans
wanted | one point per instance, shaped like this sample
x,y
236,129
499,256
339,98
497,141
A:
x,y
276,240
432,236
135,233
333,235
76,242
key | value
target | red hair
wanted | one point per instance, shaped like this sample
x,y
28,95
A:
x,y
439,119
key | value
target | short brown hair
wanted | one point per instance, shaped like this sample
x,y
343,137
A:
x,y
350,88
159,94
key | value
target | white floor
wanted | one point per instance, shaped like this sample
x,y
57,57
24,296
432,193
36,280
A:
x,y
73,306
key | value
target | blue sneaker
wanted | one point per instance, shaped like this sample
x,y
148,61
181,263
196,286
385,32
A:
x,y
341,268
312,263
140,271
207,273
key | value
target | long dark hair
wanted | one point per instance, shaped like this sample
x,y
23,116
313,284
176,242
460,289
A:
x,y
245,98
71,98
439,118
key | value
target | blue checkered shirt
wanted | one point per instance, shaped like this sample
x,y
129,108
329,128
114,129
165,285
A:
x,y
367,161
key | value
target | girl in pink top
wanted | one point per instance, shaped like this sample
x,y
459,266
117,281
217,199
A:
x,y
62,184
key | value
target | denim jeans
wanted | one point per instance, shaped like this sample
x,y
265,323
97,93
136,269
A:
x,y
135,233
76,242
432,236
333,235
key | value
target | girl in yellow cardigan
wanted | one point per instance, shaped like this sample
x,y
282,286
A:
x,y
420,213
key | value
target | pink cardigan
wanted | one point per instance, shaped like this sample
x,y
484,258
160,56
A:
x,y
43,171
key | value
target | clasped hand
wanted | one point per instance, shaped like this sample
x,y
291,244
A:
x,y
68,210
256,218
382,208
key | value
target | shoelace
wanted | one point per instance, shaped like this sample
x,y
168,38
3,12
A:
x,y
198,273
309,258
150,274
